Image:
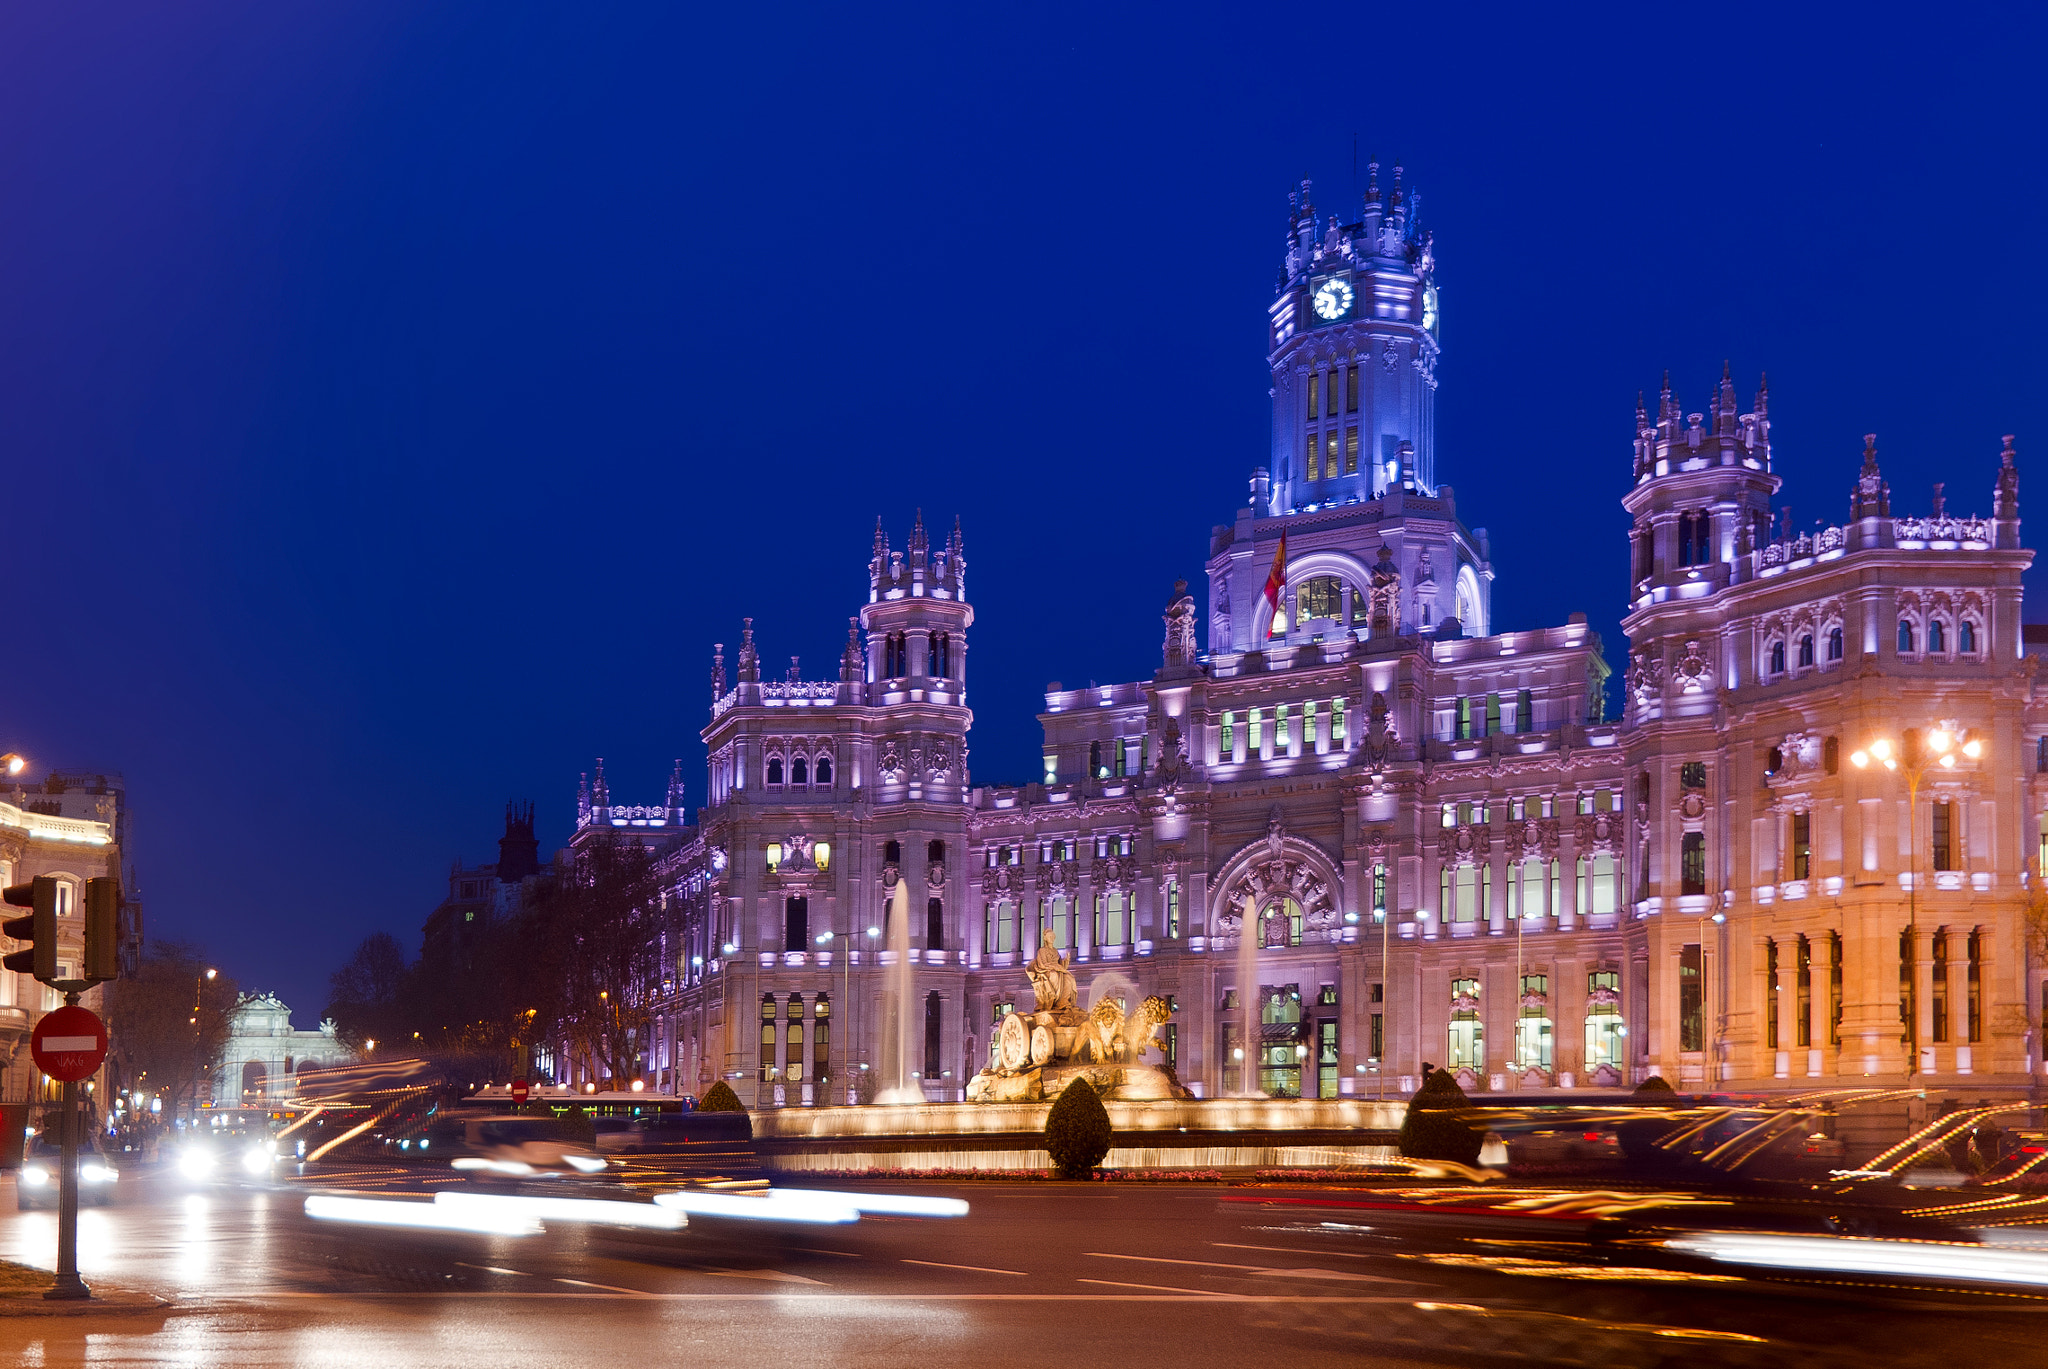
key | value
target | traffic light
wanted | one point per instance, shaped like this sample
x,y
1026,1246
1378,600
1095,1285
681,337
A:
x,y
38,929
102,929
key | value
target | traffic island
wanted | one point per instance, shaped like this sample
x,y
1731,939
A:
x,y
22,1287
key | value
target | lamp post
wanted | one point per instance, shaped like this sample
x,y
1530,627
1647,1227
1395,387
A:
x,y
198,990
1710,1033
845,992
1912,756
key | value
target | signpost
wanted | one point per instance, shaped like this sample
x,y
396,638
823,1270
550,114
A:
x,y
519,1091
69,1045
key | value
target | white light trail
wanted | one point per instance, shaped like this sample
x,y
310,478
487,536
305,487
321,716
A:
x,y
775,1205
419,1216
512,1207
1853,1255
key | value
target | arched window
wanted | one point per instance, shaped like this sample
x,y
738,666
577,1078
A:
x,y
1905,636
775,770
1320,596
1834,644
799,771
1937,636
1806,649
936,664
825,770
1966,637
1777,658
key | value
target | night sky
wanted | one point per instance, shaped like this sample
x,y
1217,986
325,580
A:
x,y
397,401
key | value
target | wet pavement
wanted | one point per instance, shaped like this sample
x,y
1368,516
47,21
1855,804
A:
x,y
1067,1274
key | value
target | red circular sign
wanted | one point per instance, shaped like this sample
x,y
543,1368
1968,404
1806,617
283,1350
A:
x,y
69,1044
518,1090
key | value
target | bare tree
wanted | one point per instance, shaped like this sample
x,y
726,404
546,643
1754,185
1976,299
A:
x,y
367,996
593,953
169,1023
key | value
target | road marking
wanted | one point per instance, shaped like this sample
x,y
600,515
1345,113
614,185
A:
x,y
493,1269
978,1269
1329,1274
1190,1295
773,1275
1161,1259
813,1250
1160,1288
607,1287
1291,1250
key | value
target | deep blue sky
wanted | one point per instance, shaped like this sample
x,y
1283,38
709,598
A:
x,y
396,401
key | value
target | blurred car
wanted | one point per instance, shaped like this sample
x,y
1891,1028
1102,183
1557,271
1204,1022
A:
x,y
521,1146
613,1133
1556,1145
39,1181
682,1131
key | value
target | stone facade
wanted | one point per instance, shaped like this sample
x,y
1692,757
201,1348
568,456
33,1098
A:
x,y
265,1053
73,825
1367,829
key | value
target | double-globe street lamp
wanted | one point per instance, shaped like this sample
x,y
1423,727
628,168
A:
x,y
1912,756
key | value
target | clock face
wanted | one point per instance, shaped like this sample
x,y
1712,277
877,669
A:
x,y
1429,307
1333,298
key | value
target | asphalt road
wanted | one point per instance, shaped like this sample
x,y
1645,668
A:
x,y
1038,1274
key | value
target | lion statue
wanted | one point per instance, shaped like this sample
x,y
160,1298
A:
x,y
1101,1037
1152,1015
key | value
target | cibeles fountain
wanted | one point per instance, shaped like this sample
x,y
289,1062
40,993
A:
x,y
1034,1055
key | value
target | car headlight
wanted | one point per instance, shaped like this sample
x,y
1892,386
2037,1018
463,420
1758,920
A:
x,y
585,1164
195,1164
257,1161
97,1174
35,1176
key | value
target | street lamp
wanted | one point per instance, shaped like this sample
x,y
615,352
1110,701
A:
x,y
1912,756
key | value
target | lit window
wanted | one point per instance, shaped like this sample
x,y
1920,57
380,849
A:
x,y
1966,637
1351,449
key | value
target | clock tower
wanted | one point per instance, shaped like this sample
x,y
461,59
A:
x,y
1353,345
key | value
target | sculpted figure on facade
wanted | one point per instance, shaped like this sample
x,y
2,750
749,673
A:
x,y
1051,981
1180,626
1384,592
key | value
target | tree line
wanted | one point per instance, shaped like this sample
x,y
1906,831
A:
x,y
570,969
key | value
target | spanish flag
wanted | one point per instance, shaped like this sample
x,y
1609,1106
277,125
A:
x,y
1276,581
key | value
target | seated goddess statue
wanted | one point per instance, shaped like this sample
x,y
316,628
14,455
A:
x,y
1050,978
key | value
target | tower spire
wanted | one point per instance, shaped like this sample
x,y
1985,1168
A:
x,y
1873,497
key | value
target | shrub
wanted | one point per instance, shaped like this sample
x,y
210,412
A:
x,y
1077,1130
576,1125
1435,1127
720,1098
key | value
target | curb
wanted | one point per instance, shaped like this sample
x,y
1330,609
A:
x,y
112,1302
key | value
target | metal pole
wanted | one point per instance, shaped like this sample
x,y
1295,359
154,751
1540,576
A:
x,y
1386,993
69,1285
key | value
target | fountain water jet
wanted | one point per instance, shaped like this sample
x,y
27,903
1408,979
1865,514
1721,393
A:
x,y
898,1086
1248,931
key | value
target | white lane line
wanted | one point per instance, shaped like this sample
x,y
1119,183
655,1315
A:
x,y
1188,1295
813,1250
607,1287
1328,1274
772,1275
493,1269
975,1268
1160,1288
1290,1250
1161,1259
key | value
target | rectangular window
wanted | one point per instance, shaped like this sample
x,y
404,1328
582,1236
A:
x,y
1330,453
1525,712
1379,1037
1315,393
1942,848
1326,1059
1492,715
1692,863
1351,451
1938,988
1771,1004
1351,389
1834,988
1464,732
1122,747
1052,768
1908,1029
1692,999
1310,458
1282,738
1336,720
1974,986
1804,998
1308,724
1225,753
796,916
1173,911
1258,728
1379,891
1802,845
821,1039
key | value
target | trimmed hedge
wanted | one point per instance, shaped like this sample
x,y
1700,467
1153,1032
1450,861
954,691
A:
x,y
1435,1127
1077,1131
720,1098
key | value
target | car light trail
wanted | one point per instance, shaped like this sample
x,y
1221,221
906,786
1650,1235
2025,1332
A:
x,y
1853,1255
420,1216
775,1205
600,1211
886,1204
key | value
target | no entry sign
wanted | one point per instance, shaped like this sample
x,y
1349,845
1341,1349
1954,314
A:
x,y
518,1090
69,1044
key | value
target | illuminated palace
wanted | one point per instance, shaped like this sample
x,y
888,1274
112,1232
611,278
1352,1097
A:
x,y
1798,855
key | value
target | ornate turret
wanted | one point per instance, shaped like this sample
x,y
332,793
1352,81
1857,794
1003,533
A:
x,y
675,793
600,792
2005,497
717,671
1873,496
